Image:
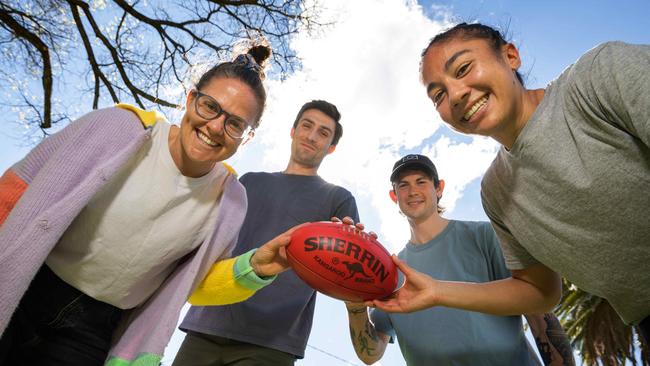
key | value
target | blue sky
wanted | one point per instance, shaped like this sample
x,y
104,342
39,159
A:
x,y
367,64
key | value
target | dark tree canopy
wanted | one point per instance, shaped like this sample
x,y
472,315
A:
x,y
99,52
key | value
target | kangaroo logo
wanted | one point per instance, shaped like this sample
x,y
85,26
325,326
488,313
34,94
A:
x,y
355,268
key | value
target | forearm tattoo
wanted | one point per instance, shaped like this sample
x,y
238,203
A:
x,y
366,340
372,332
554,337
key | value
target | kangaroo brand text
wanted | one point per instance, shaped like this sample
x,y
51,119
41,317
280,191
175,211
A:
x,y
349,249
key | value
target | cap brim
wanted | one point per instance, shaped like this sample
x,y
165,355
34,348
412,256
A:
x,y
412,164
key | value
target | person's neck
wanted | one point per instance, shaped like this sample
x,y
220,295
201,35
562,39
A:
x,y
425,230
298,169
530,99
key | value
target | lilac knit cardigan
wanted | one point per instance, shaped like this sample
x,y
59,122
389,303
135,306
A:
x,y
63,173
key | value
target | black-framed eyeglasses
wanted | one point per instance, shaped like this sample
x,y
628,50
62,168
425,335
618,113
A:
x,y
208,108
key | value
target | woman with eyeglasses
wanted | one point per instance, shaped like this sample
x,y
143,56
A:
x,y
108,226
569,191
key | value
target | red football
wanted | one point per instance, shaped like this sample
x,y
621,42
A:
x,y
341,261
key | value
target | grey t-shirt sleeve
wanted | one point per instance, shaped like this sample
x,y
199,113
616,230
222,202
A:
x,y
515,255
382,323
615,78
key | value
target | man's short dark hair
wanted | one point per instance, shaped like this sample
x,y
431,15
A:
x,y
330,110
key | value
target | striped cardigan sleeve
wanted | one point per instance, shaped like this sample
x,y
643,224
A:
x,y
229,281
16,179
12,188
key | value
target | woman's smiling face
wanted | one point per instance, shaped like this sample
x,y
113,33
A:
x,y
205,142
473,87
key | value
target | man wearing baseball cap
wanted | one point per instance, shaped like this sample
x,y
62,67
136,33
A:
x,y
450,250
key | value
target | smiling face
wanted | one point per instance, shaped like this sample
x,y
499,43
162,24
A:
x,y
311,139
474,87
201,143
417,195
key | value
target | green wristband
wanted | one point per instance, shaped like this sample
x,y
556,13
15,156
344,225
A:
x,y
246,276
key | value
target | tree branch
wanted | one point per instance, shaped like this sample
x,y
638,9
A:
x,y
135,91
42,48
97,72
134,52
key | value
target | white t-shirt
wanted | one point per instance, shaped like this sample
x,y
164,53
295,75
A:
x,y
127,240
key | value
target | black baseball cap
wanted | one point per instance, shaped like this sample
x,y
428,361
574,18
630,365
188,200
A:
x,y
413,161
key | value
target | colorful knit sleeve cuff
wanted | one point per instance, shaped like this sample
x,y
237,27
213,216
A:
x,y
245,276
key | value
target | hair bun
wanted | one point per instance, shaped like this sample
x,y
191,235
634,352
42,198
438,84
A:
x,y
260,53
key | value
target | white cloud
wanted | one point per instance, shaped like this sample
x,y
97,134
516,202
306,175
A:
x,y
460,163
368,66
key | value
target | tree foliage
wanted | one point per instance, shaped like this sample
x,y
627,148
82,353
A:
x,y
597,332
128,50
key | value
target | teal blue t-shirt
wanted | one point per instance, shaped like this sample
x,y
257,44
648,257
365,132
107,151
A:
x,y
463,251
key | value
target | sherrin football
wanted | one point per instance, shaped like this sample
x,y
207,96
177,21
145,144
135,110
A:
x,y
341,261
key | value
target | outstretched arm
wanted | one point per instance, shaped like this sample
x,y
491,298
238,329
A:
x,y
552,341
271,258
369,344
236,279
532,290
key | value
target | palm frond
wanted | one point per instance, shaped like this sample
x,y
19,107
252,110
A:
x,y
597,332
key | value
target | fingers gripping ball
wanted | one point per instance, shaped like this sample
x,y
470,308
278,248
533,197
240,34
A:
x,y
342,262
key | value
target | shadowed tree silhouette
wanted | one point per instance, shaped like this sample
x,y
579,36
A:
x,y
597,332
119,50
